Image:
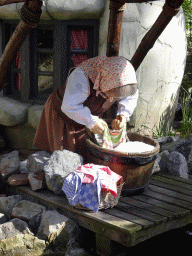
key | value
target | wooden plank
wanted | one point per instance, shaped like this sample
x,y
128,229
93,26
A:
x,y
149,207
175,196
181,193
124,215
154,193
172,177
114,228
141,213
175,210
182,183
145,234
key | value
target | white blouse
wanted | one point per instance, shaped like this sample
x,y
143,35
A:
x,y
77,91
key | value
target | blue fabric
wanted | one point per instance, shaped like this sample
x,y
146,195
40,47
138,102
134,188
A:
x,y
87,194
72,187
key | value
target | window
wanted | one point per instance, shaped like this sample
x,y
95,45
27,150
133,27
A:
x,y
46,56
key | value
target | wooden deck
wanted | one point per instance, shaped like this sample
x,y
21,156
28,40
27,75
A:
x,y
166,204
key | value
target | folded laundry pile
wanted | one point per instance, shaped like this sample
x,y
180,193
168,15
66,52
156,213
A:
x,y
88,182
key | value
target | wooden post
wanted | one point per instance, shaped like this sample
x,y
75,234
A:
x,y
170,9
20,33
114,29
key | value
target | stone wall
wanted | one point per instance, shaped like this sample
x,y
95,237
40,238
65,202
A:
x,y
19,122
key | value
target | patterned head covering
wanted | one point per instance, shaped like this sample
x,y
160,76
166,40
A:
x,y
109,72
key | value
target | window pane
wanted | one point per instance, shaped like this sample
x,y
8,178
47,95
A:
x,y
79,44
45,61
18,60
45,38
18,81
78,58
79,39
17,75
45,83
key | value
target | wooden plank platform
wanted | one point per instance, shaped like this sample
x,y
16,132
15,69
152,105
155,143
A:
x,y
165,204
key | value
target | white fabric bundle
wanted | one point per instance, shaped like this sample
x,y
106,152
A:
x,y
134,147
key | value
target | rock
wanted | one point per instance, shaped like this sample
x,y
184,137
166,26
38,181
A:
x,y
3,218
18,179
13,228
158,163
60,164
171,146
9,163
37,180
174,163
2,142
36,163
183,146
8,203
68,235
34,114
48,225
23,166
22,245
12,112
77,252
29,212
161,162
166,139
185,149
2,185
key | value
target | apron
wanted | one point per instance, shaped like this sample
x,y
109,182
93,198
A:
x,y
56,131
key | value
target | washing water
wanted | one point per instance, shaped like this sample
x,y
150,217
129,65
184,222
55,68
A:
x,y
129,146
134,147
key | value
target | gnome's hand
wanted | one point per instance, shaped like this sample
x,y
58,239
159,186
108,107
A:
x,y
118,123
99,126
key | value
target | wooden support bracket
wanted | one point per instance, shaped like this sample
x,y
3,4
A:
x,y
170,9
20,33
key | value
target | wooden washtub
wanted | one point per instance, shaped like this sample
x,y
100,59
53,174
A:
x,y
135,168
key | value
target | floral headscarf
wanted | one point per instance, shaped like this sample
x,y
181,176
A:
x,y
109,72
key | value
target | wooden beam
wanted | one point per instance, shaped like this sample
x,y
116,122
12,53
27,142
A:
x,y
114,28
17,38
170,9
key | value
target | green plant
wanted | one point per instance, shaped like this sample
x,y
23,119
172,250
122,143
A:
x,y
186,124
187,8
186,87
160,130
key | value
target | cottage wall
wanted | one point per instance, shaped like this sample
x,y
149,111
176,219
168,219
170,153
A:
x,y
161,72
159,76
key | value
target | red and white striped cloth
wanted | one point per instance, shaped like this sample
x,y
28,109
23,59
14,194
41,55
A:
x,y
107,177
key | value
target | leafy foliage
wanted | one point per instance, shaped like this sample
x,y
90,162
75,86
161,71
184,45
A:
x,y
187,8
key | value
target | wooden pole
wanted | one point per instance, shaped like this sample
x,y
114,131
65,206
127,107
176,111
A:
x,y
170,9
18,37
114,28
